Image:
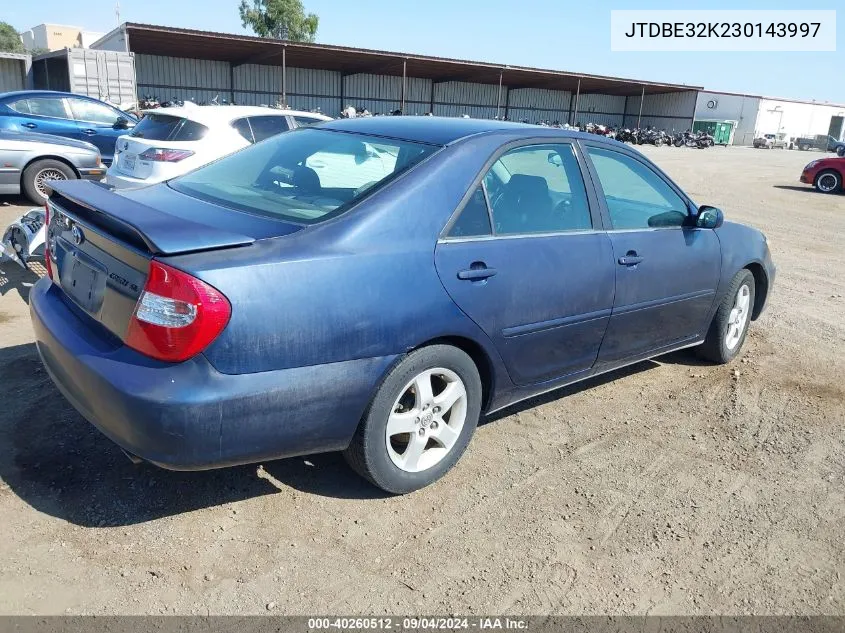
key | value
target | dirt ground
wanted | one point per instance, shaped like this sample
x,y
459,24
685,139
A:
x,y
673,487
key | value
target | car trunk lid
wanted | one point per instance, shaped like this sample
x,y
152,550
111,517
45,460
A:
x,y
101,242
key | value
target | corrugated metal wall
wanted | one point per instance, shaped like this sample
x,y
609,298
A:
x,y
599,109
456,98
309,89
197,80
669,111
535,105
306,89
12,72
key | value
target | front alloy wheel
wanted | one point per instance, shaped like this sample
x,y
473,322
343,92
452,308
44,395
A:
x,y
730,323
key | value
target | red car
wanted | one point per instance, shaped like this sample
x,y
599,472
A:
x,y
825,174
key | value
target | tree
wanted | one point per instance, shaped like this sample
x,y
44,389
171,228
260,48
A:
x,y
281,19
10,41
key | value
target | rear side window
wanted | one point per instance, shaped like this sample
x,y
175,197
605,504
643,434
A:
x,y
538,189
242,127
264,127
165,127
48,107
474,220
22,106
304,121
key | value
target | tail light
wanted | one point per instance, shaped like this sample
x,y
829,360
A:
x,y
162,155
48,251
177,315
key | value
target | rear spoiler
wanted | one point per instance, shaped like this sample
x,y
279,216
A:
x,y
160,232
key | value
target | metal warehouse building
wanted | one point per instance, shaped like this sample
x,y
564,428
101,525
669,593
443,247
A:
x,y
200,66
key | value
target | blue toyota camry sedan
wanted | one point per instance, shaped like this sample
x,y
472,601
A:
x,y
374,286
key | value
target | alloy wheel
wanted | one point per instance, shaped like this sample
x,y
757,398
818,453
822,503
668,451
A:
x,y
426,420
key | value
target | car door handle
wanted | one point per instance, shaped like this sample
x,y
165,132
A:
x,y
630,260
476,274
89,132
29,125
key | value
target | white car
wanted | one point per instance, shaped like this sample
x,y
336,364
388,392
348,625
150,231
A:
x,y
169,142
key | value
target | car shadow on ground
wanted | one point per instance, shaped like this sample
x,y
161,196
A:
x,y
805,188
59,464
16,279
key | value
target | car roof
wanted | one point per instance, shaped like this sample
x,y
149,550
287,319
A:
x,y
437,130
216,114
45,93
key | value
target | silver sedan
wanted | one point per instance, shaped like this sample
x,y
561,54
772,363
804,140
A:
x,y
29,161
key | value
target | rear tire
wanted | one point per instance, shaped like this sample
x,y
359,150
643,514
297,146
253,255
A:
x,y
411,435
36,175
828,181
730,323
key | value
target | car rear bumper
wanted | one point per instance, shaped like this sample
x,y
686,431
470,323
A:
x,y
188,416
92,173
121,181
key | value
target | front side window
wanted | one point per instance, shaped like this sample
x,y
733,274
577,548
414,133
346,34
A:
x,y
84,110
637,198
538,189
263,127
43,106
306,176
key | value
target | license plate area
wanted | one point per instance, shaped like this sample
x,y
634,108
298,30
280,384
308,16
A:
x,y
84,281
127,162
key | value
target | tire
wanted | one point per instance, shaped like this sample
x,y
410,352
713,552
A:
x,y
718,346
803,148
840,151
40,170
828,181
386,460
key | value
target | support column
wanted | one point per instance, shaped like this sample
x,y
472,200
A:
x,y
625,111
284,76
499,96
507,100
404,77
431,104
640,115
231,83
577,98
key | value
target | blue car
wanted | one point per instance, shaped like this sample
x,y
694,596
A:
x,y
65,114
374,286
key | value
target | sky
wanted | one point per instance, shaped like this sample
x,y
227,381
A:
x,y
562,35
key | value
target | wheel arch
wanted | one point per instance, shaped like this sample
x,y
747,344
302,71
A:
x,y
761,287
60,159
479,356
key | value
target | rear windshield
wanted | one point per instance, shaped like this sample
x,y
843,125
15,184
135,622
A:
x,y
304,176
164,127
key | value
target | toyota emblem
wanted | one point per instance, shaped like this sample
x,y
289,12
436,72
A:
x,y
78,236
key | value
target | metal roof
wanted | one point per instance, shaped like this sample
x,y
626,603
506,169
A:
x,y
243,49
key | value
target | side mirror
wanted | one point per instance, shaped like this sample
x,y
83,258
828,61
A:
x,y
555,159
121,123
709,217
